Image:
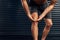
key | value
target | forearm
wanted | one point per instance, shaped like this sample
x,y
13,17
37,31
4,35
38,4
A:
x,y
26,8
47,10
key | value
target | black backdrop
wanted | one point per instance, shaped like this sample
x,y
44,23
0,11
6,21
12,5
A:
x,y
13,20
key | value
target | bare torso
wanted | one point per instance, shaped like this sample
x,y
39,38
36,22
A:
x,y
40,1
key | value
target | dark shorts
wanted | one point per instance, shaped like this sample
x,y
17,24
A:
x,y
40,9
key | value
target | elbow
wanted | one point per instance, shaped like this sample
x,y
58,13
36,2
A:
x,y
53,2
56,1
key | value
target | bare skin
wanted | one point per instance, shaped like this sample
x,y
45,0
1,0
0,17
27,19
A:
x,y
34,26
47,28
35,18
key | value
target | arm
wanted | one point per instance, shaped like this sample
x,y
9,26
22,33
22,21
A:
x,y
48,9
26,8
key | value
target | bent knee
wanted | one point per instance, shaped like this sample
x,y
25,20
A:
x,y
49,24
35,15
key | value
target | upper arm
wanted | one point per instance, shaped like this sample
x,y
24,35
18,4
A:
x,y
53,1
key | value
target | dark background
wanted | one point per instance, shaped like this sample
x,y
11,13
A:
x,y
15,23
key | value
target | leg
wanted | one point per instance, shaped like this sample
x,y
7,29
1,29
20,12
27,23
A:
x,y
34,26
47,28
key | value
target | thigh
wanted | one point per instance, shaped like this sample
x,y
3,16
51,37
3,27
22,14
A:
x,y
33,9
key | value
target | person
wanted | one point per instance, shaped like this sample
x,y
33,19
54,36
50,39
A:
x,y
37,10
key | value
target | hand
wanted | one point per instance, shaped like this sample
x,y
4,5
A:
x,y
34,20
40,18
